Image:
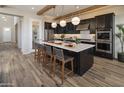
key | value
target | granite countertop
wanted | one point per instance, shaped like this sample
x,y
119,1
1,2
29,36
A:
x,y
77,47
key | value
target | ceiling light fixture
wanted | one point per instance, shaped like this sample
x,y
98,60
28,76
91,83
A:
x,y
77,7
3,17
75,20
32,8
54,24
62,22
6,29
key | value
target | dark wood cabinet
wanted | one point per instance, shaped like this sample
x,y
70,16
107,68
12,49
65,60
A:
x,y
93,26
105,33
104,22
68,29
47,25
59,29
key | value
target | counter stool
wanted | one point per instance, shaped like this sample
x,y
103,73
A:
x,y
39,52
59,55
48,56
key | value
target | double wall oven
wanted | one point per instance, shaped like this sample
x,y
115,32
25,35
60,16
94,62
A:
x,y
104,41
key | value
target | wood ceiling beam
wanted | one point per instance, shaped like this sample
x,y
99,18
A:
x,y
45,9
80,11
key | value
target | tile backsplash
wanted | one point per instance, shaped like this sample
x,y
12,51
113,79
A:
x,y
80,36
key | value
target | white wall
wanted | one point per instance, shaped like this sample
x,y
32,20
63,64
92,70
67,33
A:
x,y
1,35
19,34
26,31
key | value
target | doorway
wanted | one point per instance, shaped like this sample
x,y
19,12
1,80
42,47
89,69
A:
x,y
9,30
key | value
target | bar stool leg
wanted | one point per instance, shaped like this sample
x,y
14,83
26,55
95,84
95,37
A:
x,y
35,54
72,67
54,64
38,58
62,73
51,61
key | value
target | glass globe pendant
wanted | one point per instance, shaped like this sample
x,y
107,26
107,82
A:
x,y
54,25
75,20
62,23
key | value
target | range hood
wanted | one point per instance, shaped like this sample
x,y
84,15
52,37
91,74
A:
x,y
83,27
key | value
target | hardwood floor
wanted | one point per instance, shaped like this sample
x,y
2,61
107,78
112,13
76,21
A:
x,y
23,71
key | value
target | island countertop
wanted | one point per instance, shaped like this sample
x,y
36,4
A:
x,y
82,53
77,47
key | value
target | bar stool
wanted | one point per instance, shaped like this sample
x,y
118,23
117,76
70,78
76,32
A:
x,y
48,56
39,52
59,55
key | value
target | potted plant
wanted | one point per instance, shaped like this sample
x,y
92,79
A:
x,y
76,40
120,35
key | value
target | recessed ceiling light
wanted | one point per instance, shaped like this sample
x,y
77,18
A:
x,y
32,8
6,29
77,7
3,17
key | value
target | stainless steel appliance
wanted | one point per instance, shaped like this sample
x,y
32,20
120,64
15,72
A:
x,y
104,47
104,36
104,41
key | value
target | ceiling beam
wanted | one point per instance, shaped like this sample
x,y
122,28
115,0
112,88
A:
x,y
45,9
80,11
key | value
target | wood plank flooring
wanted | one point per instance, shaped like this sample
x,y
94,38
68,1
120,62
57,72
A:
x,y
19,70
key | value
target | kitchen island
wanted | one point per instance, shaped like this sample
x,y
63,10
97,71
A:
x,y
82,53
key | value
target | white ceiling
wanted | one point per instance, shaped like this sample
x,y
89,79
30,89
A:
x,y
63,10
27,8
58,10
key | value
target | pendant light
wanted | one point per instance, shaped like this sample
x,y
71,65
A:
x,y
54,24
75,20
62,22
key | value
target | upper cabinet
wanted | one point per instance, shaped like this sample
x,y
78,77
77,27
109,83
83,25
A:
x,y
101,22
68,29
59,29
47,25
104,22
92,24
